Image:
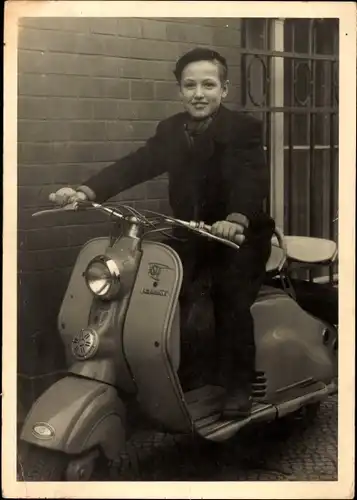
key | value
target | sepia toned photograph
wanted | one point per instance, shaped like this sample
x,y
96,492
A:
x,y
178,253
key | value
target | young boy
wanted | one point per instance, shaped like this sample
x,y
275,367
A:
x,y
217,173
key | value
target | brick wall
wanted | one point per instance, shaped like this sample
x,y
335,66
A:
x,y
90,91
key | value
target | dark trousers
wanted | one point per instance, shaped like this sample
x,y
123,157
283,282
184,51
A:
x,y
232,279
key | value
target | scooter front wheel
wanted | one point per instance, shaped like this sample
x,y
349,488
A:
x,y
40,464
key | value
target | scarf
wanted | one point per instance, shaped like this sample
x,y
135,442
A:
x,y
194,128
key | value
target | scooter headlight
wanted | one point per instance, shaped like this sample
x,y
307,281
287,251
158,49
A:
x,y
103,277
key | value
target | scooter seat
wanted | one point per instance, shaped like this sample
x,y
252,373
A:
x,y
308,250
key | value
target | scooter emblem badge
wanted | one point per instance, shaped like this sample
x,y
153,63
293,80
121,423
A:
x,y
155,270
42,430
85,344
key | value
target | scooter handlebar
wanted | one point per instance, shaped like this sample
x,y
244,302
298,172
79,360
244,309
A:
x,y
198,227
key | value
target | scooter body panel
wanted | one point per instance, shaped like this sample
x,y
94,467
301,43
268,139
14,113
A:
x,y
81,312
75,415
291,356
152,337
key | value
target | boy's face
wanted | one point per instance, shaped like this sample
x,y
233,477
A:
x,y
201,89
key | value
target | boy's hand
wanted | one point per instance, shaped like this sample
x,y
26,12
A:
x,y
66,196
229,230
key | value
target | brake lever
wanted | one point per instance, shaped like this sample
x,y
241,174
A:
x,y
73,207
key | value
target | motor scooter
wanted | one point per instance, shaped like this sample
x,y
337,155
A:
x,y
120,325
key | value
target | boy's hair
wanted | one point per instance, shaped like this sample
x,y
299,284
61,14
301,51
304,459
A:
x,y
201,54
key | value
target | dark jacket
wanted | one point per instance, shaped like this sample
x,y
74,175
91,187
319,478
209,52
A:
x,y
224,172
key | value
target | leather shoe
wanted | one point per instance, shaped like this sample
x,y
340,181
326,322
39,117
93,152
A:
x,y
237,404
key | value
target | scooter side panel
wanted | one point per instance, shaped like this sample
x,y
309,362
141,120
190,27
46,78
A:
x,y
79,414
289,348
75,314
150,336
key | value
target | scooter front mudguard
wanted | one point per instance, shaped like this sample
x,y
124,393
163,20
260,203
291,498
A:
x,y
75,415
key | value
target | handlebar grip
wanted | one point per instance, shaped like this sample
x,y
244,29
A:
x,y
238,239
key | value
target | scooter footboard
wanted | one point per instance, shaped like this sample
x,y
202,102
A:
x,y
75,415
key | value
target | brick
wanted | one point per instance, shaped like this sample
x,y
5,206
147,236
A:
x,y
155,30
37,107
104,66
232,54
73,43
64,131
73,174
31,61
35,153
147,204
42,131
187,33
110,109
135,193
129,68
183,47
46,40
230,22
87,131
173,107
69,108
47,85
26,221
129,27
167,91
151,49
112,151
102,45
79,235
34,175
157,70
49,131
76,24
142,90
156,189
104,87
198,21
128,110
151,111
66,64
103,25
34,196
40,260
33,108
226,37
46,238
129,130
72,86
74,152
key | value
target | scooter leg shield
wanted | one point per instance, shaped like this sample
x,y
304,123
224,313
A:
x,y
75,415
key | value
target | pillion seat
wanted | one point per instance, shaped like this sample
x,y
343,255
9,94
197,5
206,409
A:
x,y
300,249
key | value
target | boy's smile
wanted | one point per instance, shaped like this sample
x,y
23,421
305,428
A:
x,y
202,89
